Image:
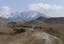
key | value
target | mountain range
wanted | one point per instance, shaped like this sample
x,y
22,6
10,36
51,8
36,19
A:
x,y
31,17
25,16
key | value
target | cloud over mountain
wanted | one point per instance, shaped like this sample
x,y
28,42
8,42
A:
x,y
46,8
5,11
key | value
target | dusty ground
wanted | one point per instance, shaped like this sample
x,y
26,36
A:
x,y
29,38
55,36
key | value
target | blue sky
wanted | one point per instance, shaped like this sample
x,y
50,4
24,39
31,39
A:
x,y
23,4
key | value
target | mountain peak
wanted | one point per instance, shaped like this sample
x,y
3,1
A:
x,y
26,15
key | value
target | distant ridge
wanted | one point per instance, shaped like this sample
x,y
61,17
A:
x,y
58,20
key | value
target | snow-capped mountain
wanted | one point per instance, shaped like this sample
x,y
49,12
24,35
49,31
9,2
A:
x,y
19,16
26,15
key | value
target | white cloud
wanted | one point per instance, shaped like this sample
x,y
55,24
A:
x,y
52,10
5,11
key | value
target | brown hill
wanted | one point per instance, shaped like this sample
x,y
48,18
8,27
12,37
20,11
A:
x,y
55,20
